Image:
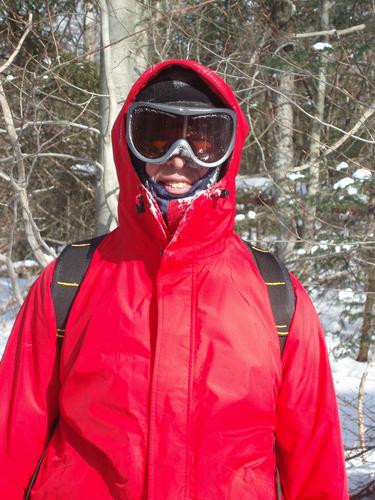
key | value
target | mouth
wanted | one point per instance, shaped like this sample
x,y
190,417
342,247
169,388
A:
x,y
177,187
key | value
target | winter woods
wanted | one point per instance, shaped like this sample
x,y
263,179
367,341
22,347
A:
x,y
304,73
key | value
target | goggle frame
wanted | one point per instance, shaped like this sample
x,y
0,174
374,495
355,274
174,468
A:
x,y
180,147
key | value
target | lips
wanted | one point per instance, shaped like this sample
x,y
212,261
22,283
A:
x,y
177,187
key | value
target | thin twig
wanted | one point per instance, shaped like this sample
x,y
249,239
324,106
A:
x,y
19,45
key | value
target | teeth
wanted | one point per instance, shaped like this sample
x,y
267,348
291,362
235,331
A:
x,y
178,184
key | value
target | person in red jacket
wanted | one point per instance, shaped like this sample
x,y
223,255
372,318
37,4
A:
x,y
170,383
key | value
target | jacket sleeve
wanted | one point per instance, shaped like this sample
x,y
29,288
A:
x,y
28,389
309,447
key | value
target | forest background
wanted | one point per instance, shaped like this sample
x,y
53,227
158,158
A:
x,y
303,72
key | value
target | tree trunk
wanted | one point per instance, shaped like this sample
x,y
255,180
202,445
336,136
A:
x,y
368,318
91,33
283,156
119,66
283,160
315,139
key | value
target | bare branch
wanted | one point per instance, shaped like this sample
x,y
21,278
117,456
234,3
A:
x,y
53,155
273,89
346,31
18,48
57,123
146,29
5,176
41,250
330,149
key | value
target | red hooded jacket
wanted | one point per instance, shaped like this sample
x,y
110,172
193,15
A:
x,y
170,384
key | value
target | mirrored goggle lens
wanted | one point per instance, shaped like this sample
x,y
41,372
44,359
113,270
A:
x,y
154,131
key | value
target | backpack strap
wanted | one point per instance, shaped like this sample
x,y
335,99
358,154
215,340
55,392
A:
x,y
70,270
280,290
71,267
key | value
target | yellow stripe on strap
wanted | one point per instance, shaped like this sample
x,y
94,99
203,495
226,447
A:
x,y
275,283
281,326
80,244
282,333
63,283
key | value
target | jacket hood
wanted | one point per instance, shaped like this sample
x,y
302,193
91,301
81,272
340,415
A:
x,y
211,215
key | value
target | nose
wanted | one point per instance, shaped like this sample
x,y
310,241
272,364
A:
x,y
177,161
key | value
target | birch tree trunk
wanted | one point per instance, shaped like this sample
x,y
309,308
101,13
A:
x,y
91,33
368,319
316,133
283,155
119,67
284,160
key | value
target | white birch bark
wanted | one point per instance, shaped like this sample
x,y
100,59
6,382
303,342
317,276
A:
x,y
120,64
316,133
91,33
283,160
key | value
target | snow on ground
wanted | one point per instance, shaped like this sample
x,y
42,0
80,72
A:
x,y
347,374
8,306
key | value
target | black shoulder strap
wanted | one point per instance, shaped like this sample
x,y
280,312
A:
x,y
70,270
280,290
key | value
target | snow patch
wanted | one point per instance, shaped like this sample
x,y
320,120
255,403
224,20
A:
x,y
245,182
362,174
84,169
352,190
295,175
342,166
21,264
322,46
343,183
251,214
240,217
346,295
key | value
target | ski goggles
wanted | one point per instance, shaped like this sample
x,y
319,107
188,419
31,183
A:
x,y
156,132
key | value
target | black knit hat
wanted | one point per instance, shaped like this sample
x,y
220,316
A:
x,y
179,85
